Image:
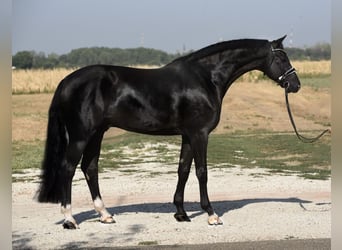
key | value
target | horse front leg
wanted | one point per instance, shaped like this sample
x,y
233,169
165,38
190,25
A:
x,y
199,144
185,161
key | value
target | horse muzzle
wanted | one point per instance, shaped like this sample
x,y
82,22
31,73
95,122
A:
x,y
293,89
289,81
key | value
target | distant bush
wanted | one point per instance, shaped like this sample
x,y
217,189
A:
x,y
23,60
95,55
318,52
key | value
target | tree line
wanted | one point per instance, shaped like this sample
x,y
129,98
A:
x,y
135,56
321,51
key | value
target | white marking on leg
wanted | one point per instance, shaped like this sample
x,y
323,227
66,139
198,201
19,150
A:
x,y
68,214
106,217
214,220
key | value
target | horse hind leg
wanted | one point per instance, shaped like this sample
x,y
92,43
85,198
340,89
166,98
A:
x,y
73,155
89,167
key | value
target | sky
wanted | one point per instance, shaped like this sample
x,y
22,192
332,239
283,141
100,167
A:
x,y
52,26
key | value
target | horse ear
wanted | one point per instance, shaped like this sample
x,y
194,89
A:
x,y
278,43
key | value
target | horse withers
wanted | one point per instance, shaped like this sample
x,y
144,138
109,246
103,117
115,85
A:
x,y
182,98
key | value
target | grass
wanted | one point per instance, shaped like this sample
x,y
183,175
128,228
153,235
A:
x,y
279,153
124,150
323,81
26,155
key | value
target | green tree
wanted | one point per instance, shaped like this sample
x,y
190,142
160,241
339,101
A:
x,y
23,60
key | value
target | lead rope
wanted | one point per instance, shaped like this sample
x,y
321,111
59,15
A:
x,y
300,137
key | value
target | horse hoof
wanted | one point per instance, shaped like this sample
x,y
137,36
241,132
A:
x,y
107,220
181,217
214,220
69,225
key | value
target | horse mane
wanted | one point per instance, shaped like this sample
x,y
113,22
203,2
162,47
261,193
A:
x,y
223,46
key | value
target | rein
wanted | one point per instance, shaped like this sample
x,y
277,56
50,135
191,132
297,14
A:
x,y
300,137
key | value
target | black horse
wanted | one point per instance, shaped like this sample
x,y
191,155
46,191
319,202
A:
x,y
182,98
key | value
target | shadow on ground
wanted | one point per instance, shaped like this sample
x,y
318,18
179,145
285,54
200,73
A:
x,y
221,207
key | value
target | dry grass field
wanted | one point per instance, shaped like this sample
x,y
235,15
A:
x,y
37,80
313,67
42,81
46,81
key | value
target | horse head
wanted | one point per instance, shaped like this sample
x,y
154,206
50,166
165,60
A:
x,y
280,69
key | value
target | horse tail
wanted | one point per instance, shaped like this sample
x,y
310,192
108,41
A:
x,y
52,177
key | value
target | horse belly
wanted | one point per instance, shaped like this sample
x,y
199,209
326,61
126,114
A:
x,y
140,115
144,123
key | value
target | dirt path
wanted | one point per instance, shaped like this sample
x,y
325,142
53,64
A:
x,y
253,205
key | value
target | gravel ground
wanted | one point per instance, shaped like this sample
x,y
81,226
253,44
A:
x,y
253,205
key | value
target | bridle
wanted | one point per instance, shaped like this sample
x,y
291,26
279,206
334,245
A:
x,y
285,84
282,78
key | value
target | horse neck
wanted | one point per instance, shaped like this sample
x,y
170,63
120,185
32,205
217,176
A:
x,y
225,67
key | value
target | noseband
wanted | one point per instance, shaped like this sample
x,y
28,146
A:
x,y
282,78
